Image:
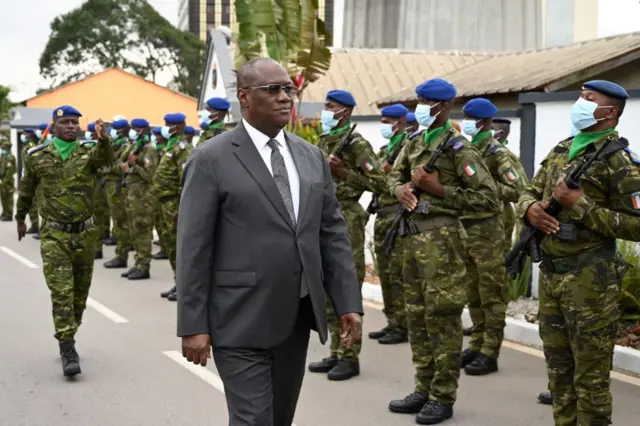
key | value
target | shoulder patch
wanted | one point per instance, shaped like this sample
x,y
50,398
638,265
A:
x,y
416,133
89,144
36,149
634,157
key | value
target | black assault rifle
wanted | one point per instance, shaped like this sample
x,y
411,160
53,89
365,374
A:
x,y
530,237
401,223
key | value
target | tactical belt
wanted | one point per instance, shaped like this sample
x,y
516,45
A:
x,y
166,198
563,265
468,223
433,223
387,210
72,228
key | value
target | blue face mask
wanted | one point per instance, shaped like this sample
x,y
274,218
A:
x,y
133,135
582,114
114,134
329,120
23,139
386,130
469,127
166,133
423,115
87,135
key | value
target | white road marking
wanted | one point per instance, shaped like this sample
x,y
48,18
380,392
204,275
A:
x,y
118,319
203,373
26,262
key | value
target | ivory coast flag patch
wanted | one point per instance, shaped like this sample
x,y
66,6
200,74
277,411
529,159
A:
x,y
511,175
470,168
369,165
635,200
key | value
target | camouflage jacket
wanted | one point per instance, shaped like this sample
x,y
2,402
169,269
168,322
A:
x,y
65,188
7,168
609,209
146,164
365,171
466,179
167,181
384,198
112,171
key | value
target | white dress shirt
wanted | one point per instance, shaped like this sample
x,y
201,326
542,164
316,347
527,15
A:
x,y
260,141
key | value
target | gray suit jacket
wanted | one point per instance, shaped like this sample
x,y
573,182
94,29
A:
x,y
241,260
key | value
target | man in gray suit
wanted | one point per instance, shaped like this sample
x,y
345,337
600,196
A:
x,y
261,241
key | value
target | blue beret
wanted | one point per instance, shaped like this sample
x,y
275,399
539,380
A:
x,y
43,126
394,111
139,122
176,118
342,97
220,104
606,87
119,124
411,118
188,130
204,125
436,89
156,130
501,120
479,108
66,111
91,127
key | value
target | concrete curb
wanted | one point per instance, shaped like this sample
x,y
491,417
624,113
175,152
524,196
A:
x,y
624,359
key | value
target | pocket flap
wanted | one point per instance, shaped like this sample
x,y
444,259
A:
x,y
235,278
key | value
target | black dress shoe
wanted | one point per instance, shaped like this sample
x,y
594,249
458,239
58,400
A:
x,y
411,404
481,366
99,254
139,274
114,263
545,398
161,255
109,241
433,413
166,294
125,274
378,334
394,337
323,366
467,331
173,297
344,370
467,357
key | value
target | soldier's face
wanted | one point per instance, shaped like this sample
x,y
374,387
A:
x,y
66,128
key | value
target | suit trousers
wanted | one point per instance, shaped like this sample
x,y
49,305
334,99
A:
x,y
262,385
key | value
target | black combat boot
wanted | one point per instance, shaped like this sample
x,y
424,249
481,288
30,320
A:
x,y
33,229
168,293
410,404
545,398
70,358
467,357
344,370
161,255
394,337
433,413
109,241
323,366
378,334
114,263
481,366
467,331
139,274
99,254
126,273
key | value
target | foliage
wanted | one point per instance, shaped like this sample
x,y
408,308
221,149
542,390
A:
x,y
630,296
126,34
5,103
309,131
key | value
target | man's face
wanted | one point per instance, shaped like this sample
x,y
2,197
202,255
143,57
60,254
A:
x,y
269,99
66,128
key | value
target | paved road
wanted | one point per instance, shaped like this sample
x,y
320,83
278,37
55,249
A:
x,y
133,374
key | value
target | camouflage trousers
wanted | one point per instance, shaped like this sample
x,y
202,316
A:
x,y
140,201
68,268
158,224
6,195
101,212
390,273
487,292
116,197
356,219
169,212
578,317
434,292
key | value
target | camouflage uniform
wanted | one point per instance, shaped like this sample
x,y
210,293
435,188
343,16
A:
x,y
434,270
581,279
365,174
140,200
487,292
33,212
214,129
167,186
7,182
67,188
116,196
101,207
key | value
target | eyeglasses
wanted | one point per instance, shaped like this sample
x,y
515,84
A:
x,y
275,89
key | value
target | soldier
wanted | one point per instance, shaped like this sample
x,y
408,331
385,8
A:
x,y
356,171
213,118
100,206
412,124
29,140
487,291
65,172
167,185
434,252
390,265
581,273
117,195
7,179
159,143
139,162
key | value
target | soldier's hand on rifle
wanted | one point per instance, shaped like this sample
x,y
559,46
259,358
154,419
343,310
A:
x,y
428,182
132,159
338,167
406,197
566,196
100,129
539,219
124,167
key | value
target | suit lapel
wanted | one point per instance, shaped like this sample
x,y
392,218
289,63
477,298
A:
x,y
300,159
252,161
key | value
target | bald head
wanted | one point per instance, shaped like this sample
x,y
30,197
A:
x,y
250,74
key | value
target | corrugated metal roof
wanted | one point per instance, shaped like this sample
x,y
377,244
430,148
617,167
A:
x,y
534,70
371,74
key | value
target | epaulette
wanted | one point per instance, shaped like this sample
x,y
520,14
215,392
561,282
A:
x,y
416,133
90,144
36,149
456,144
493,149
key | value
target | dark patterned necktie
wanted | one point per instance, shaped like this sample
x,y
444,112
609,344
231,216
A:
x,y
281,177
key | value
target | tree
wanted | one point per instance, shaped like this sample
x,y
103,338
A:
x,y
126,34
5,103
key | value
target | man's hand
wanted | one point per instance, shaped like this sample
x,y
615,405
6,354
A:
x,y
350,328
132,159
197,348
100,129
338,167
124,167
539,219
22,230
406,197
428,182
387,167
565,196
